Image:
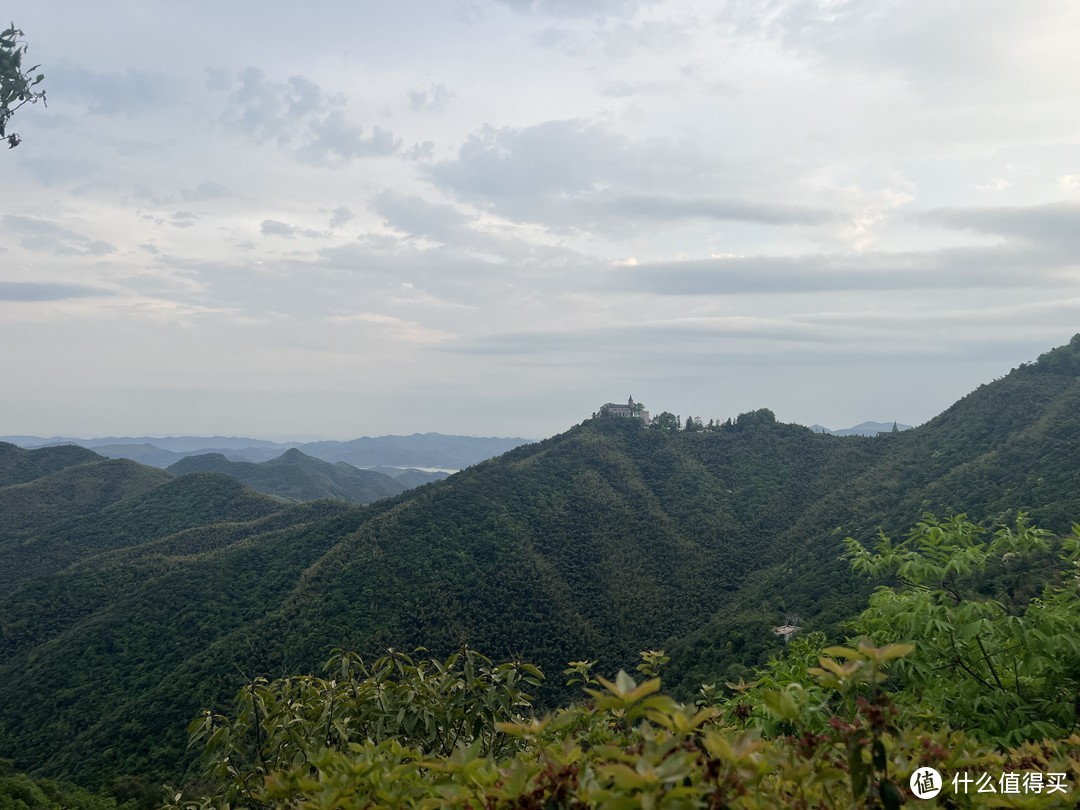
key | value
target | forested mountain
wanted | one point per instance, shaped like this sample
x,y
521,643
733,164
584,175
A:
x,y
298,477
151,601
18,466
410,478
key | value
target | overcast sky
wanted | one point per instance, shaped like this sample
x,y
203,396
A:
x,y
490,218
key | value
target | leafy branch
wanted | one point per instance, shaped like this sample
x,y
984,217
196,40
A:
x,y
16,84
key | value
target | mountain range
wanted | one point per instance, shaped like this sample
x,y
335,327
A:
x,y
299,477
132,598
862,429
420,450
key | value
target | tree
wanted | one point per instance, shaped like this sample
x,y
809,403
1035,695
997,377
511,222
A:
x,y
437,707
16,85
761,418
995,619
667,422
818,728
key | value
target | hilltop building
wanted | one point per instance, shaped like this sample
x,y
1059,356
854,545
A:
x,y
633,410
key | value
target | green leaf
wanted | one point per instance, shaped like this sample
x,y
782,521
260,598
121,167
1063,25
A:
x,y
891,651
860,773
890,796
781,704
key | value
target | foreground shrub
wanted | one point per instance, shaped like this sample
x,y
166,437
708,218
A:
x,y
995,618
628,745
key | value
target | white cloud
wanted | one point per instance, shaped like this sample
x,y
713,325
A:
x,y
434,98
364,214
298,114
46,291
273,227
1069,182
340,216
49,237
418,217
396,329
1051,224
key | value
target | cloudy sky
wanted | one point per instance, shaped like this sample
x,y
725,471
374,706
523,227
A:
x,y
491,217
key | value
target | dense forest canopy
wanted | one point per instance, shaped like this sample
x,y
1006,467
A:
x,y
131,600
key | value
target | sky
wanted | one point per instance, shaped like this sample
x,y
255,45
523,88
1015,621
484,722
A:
x,y
490,218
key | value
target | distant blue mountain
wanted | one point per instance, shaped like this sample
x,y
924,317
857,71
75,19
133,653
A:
x,y
862,429
432,450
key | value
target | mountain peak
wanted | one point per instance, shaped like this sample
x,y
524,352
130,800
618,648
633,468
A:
x,y
293,456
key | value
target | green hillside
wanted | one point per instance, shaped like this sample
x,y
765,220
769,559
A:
x,y
1011,445
297,476
597,543
72,491
47,524
137,630
17,466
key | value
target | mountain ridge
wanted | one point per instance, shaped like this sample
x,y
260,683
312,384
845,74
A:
x,y
297,476
870,429
600,541
435,450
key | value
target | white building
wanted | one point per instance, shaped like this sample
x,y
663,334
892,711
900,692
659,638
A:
x,y
631,409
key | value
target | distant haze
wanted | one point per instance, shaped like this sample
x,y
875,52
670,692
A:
x,y
428,452
862,429
490,217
